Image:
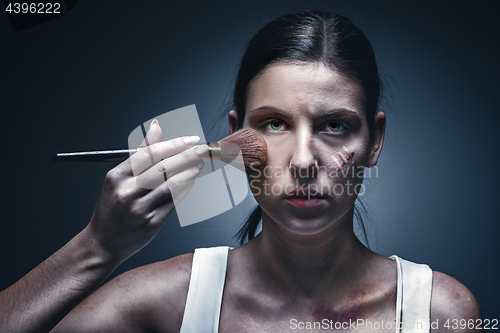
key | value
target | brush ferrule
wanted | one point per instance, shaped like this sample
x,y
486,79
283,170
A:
x,y
214,151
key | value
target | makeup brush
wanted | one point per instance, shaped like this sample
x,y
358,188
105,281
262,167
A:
x,y
252,145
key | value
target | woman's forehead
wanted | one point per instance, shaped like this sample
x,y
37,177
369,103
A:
x,y
304,87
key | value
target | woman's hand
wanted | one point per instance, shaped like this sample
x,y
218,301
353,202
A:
x,y
137,195
135,201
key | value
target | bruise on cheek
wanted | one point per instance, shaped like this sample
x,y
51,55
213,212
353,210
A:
x,y
343,158
325,311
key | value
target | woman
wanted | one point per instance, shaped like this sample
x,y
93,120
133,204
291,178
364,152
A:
x,y
309,84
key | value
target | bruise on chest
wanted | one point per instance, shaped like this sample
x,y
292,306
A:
x,y
342,314
361,304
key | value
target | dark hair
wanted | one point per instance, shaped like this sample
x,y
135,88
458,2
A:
x,y
312,37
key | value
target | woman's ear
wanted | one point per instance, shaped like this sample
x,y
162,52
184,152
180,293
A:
x,y
377,139
233,121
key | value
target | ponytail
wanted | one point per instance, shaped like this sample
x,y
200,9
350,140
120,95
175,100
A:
x,y
247,231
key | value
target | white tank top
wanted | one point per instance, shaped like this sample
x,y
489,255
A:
x,y
208,274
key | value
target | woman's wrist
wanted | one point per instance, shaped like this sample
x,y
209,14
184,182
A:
x,y
97,257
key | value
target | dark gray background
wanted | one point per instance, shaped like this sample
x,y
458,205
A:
x,y
86,79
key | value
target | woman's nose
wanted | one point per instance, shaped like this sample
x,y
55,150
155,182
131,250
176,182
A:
x,y
303,163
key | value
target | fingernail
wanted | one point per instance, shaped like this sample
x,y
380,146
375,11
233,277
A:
x,y
201,165
202,150
191,140
155,121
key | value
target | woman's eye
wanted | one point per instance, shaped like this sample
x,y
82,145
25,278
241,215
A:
x,y
272,124
275,125
337,126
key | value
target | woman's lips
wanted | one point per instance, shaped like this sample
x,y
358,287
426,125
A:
x,y
300,197
304,202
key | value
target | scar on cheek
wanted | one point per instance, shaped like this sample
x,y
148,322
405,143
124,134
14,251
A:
x,y
344,158
325,311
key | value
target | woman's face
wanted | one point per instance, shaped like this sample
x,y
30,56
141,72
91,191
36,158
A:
x,y
313,120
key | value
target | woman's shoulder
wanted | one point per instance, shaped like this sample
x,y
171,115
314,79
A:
x,y
171,275
162,285
451,300
159,289
147,298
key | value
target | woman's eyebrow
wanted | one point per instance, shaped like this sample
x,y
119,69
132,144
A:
x,y
271,109
338,112
328,114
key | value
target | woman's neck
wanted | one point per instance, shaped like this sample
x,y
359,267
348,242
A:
x,y
309,264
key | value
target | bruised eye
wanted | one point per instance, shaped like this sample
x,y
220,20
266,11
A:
x,y
272,124
337,126
334,126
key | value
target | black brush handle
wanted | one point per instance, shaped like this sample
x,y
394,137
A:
x,y
120,155
112,155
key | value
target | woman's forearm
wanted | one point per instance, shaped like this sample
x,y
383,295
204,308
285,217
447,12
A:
x,y
38,301
126,218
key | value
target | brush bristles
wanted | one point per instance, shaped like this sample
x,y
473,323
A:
x,y
253,149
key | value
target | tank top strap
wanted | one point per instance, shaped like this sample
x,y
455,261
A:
x,y
413,300
204,298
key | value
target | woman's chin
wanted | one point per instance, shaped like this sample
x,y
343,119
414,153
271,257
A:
x,y
305,225
307,217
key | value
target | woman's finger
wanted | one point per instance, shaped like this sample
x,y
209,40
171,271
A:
x,y
153,135
161,212
174,188
150,155
170,166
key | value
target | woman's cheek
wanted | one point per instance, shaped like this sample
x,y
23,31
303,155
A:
x,y
269,182
344,168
